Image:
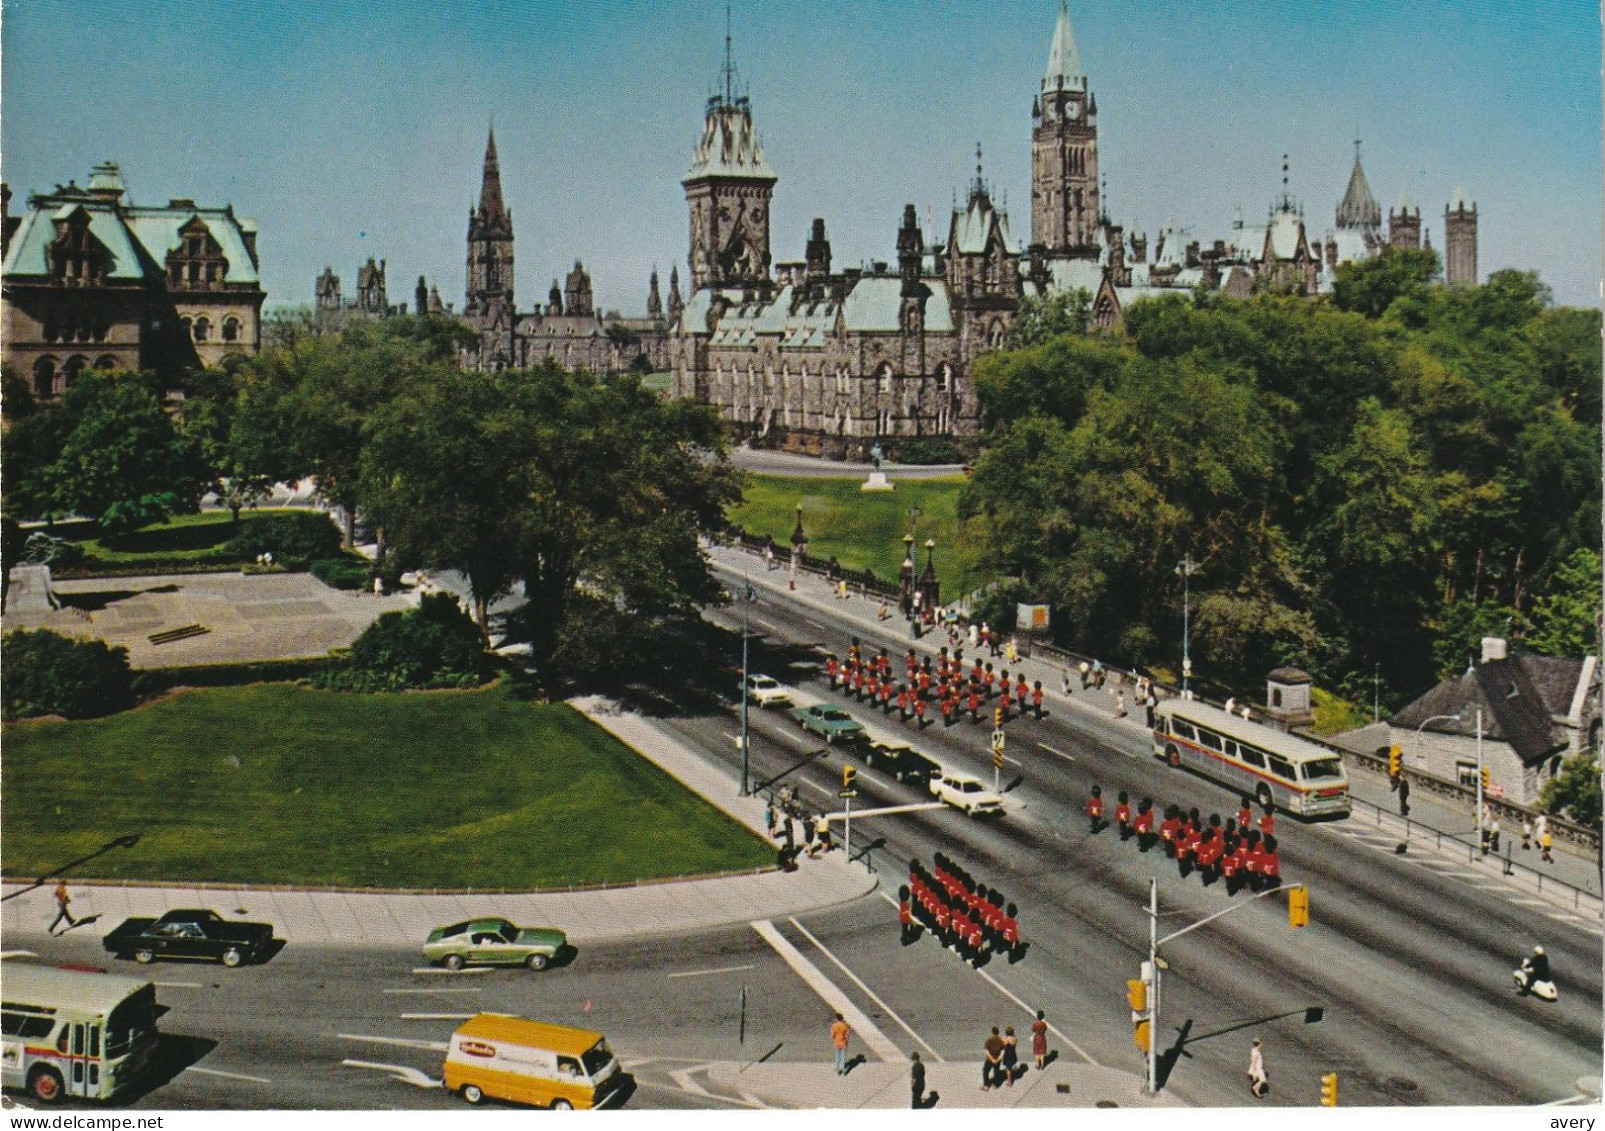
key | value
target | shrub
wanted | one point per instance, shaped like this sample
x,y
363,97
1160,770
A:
x,y
294,538
341,573
435,645
45,673
929,451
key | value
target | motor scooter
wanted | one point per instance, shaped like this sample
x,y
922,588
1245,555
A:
x,y
1543,989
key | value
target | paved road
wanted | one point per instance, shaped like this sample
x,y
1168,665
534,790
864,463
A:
x,y
766,462
1410,954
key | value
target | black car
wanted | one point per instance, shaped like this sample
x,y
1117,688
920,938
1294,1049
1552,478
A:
x,y
191,934
899,760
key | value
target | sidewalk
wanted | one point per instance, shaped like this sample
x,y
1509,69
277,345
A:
x,y
1435,825
874,1084
358,919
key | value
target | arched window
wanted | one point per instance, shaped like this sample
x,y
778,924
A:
x,y
44,377
231,329
75,365
883,378
203,329
106,361
184,325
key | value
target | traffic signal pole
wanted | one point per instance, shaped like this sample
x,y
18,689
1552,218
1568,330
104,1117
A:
x,y
1296,918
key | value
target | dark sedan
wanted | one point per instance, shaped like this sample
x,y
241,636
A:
x,y
191,934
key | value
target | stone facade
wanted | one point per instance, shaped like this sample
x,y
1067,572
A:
x,y
93,280
1460,241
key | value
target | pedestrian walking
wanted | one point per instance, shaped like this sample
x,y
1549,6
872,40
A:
x,y
1120,704
1544,844
1039,1040
1493,835
62,900
769,817
1258,1082
916,1079
1404,796
1064,682
1011,1056
840,1034
1526,833
1086,674
992,1066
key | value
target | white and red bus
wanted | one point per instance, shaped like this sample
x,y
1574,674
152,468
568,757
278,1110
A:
x,y
73,1033
1301,777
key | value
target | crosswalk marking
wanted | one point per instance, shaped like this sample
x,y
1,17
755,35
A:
x,y
829,992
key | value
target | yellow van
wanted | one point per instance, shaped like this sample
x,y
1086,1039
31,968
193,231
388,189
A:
x,y
530,1062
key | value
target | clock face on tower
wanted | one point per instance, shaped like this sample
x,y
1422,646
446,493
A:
x,y
1072,111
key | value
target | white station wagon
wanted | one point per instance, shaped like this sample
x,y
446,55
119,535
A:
x,y
967,793
766,691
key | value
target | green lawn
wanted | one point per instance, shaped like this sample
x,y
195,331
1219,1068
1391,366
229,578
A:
x,y
279,784
864,529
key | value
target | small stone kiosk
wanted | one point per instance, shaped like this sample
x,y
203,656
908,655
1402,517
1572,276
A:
x,y
1287,699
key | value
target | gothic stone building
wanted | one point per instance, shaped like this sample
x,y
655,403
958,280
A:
x,y
93,280
568,329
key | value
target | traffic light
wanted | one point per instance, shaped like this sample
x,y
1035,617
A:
x,y
1395,761
848,774
1298,906
1487,779
1329,1090
1137,996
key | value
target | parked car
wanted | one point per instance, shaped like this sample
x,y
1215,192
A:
x,y
964,792
493,942
190,934
766,691
829,722
899,760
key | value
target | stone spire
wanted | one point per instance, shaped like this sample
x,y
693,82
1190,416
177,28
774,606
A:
x,y
494,218
1359,209
654,301
1064,61
675,303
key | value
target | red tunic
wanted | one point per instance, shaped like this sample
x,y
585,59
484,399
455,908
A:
x,y
1145,822
1095,807
1122,813
1168,827
1267,825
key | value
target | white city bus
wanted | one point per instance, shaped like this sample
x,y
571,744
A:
x,y
73,1033
1299,776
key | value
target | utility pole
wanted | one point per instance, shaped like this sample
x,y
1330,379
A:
x,y
748,595
1482,828
1186,568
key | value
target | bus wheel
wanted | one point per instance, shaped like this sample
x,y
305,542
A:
x,y
1173,756
44,1085
1264,795
562,1105
473,1094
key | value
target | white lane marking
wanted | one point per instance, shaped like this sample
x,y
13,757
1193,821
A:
x,y
709,1095
178,985
815,624
436,1016
682,1077
442,990
17,954
1006,992
873,996
701,973
764,624
228,1075
754,1101
402,1042
450,973
400,1071
829,992
1525,902
1444,871
1060,753
890,810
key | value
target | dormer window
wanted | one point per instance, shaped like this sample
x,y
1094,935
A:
x,y
197,263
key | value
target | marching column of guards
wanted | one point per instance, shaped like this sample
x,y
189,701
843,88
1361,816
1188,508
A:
x,y
970,919
932,688
1241,853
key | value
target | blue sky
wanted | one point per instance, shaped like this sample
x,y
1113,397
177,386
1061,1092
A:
x,y
349,130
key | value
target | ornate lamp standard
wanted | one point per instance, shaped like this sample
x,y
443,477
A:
x,y
1185,569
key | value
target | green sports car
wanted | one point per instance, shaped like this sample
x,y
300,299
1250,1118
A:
x,y
493,942
829,722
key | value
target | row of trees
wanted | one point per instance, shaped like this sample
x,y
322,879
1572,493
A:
x,y
589,492
1368,485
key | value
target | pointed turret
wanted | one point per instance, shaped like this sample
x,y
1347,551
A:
x,y
1064,61
490,247
654,301
1359,209
675,303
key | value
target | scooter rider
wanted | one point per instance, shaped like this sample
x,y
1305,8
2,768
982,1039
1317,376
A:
x,y
1535,967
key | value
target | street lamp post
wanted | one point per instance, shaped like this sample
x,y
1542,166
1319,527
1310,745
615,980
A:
x,y
748,596
1185,568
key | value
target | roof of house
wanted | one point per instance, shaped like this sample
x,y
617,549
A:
x,y
1520,697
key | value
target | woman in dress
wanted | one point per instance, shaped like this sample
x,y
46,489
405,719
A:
x,y
1039,1040
1011,1056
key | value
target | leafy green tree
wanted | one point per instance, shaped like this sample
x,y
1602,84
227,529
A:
x,y
1371,286
123,462
1566,620
1461,627
434,645
207,416
1060,313
1574,793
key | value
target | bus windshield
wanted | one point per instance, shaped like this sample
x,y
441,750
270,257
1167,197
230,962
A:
x,y
1323,768
131,1020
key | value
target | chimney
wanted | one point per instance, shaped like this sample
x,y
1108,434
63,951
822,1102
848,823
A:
x,y
1493,648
